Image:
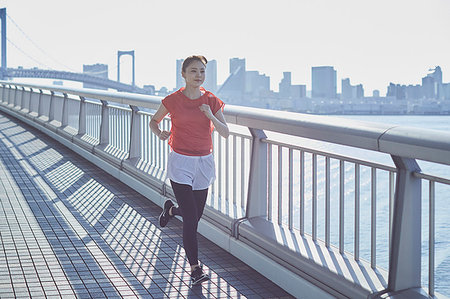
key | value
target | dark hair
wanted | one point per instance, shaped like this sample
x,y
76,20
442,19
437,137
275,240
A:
x,y
191,59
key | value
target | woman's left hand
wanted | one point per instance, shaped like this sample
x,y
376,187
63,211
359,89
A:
x,y
207,110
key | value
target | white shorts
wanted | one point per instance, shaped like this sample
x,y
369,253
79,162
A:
x,y
196,171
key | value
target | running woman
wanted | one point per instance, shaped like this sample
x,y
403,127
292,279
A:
x,y
194,113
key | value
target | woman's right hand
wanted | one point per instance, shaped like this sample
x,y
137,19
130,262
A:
x,y
164,135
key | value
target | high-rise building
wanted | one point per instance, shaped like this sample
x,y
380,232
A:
x,y
233,88
396,91
285,85
446,91
211,76
346,89
287,90
359,91
323,82
349,91
376,93
298,91
413,92
235,63
428,87
96,70
180,80
256,84
432,87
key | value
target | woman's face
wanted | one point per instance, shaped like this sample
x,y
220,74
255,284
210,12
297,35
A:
x,y
195,74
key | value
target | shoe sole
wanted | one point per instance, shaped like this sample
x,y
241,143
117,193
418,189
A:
x,y
203,279
161,215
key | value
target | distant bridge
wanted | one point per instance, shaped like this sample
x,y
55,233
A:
x,y
63,75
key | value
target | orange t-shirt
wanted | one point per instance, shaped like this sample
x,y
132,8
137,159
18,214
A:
x,y
191,129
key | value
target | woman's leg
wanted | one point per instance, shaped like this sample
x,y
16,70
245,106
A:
x,y
200,198
189,210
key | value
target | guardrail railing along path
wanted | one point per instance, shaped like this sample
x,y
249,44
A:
x,y
322,206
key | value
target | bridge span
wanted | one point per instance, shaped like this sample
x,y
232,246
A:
x,y
280,203
72,76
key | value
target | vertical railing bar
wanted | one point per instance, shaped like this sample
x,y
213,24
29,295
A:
x,y
341,205
391,202
219,193
213,185
314,197
122,134
302,193
269,183
155,151
82,117
119,123
243,151
147,138
234,170
116,123
327,202
162,147
373,217
357,210
227,169
291,188
160,151
280,184
125,130
431,240
167,149
113,117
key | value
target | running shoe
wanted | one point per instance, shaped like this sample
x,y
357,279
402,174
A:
x,y
198,276
165,217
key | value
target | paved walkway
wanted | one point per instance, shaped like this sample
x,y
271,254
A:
x,y
70,230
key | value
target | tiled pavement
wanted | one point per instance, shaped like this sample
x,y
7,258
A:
x,y
68,229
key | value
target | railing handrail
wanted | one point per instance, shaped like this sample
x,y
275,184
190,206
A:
x,y
275,179
423,144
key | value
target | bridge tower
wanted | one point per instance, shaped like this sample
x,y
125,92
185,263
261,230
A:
x,y
3,21
120,53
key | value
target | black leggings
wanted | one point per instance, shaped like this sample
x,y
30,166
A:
x,y
191,205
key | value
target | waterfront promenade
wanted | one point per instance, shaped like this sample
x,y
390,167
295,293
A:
x,y
68,229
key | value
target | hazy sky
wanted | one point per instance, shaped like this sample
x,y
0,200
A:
x,y
373,42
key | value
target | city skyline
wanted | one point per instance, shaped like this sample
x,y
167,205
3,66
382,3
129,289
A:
x,y
373,43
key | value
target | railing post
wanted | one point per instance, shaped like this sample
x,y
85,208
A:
x,y
257,187
21,98
9,95
3,93
15,97
39,103
104,126
29,102
135,134
405,251
65,111
82,117
51,108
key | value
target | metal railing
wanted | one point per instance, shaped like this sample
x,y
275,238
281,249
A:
x,y
283,180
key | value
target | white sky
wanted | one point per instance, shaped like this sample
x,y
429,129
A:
x,y
373,42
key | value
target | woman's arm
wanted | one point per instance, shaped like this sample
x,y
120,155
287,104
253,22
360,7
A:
x,y
217,119
156,119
